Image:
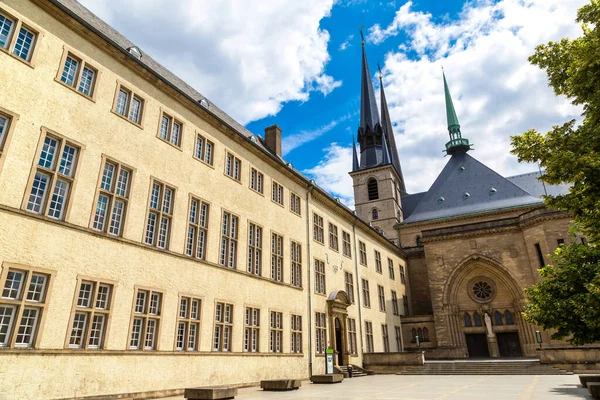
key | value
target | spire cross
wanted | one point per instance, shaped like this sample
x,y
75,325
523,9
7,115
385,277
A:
x,y
379,68
361,34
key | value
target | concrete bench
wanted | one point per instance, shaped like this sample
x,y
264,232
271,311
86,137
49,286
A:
x,y
329,378
210,393
584,379
280,384
594,389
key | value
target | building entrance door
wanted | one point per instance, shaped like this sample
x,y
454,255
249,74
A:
x,y
339,343
509,345
477,345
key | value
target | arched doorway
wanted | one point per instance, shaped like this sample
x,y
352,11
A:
x,y
337,307
339,342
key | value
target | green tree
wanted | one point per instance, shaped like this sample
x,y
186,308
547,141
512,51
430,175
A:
x,y
567,300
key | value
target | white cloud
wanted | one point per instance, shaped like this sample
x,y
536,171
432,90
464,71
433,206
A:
x,y
347,43
332,173
247,57
295,140
496,92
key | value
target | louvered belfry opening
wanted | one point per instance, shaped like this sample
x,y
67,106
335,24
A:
x,y
372,189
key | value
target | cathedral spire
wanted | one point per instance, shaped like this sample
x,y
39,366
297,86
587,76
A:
x,y
457,142
355,166
368,106
386,154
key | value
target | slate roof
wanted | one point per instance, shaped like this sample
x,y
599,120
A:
x,y
530,183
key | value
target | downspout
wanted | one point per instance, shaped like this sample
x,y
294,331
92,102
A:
x,y
406,286
358,292
308,280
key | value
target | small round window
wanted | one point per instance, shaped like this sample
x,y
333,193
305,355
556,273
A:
x,y
482,289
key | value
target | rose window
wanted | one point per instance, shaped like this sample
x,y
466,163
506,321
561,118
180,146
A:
x,y
482,290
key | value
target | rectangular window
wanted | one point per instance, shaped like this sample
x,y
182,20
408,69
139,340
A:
x,y
53,177
369,335
321,333
398,339
170,129
197,231
256,180
277,193
23,47
6,29
233,166
276,332
6,121
402,275
391,269
204,149
296,260
378,262
145,325
296,334
22,304
319,276
254,249
252,330
78,75
385,338
352,347
187,335
129,105
381,295
362,249
229,236
349,280
17,38
318,228
112,197
540,255
295,204
405,312
91,313
395,308
160,214
276,257
347,249
366,294
333,237
223,327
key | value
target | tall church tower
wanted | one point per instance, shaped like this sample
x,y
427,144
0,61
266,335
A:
x,y
378,180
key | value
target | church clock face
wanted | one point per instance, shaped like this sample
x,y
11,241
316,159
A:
x,y
482,289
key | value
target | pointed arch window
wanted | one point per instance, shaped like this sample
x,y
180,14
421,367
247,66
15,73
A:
x,y
508,317
372,189
414,334
498,318
419,241
420,333
374,214
477,319
425,335
467,319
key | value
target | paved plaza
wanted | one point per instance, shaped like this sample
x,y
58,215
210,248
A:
x,y
425,387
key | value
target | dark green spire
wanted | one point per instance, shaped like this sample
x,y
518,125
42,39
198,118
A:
x,y
457,142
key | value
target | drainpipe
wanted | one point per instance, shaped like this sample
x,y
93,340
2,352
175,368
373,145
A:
x,y
308,280
358,292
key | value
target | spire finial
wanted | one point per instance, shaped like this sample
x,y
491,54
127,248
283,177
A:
x,y
361,34
380,73
456,139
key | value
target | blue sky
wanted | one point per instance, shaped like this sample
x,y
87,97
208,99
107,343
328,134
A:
x,y
297,64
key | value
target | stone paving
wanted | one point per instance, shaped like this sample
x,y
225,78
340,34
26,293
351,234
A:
x,y
425,387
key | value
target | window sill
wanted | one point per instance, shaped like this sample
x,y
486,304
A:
x,y
296,214
202,161
28,63
232,178
90,98
321,243
256,191
127,119
333,249
321,294
169,143
279,204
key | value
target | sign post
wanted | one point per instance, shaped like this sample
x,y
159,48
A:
x,y
329,361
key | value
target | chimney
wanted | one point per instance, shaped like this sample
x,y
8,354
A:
x,y
273,139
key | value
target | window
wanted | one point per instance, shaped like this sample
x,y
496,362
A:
x,y
256,180
277,193
362,249
540,255
204,149
252,330
318,228
333,237
477,319
91,312
229,226
385,338
170,129
147,311
53,176
467,320
381,295
296,259
346,249
233,166
129,105
295,203
398,338
296,334
395,308
160,214
405,304
254,249
195,245
425,335
188,324
413,333
419,241
276,257
349,280
378,262
112,197
276,332
22,305
352,347
319,276
223,327
321,331
366,294
402,275
560,242
508,317
372,189
391,269
374,214
16,38
498,318
78,74
7,121
369,335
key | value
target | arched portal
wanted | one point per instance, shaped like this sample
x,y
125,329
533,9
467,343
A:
x,y
339,341
337,307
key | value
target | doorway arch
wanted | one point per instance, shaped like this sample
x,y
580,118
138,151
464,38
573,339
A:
x,y
337,310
